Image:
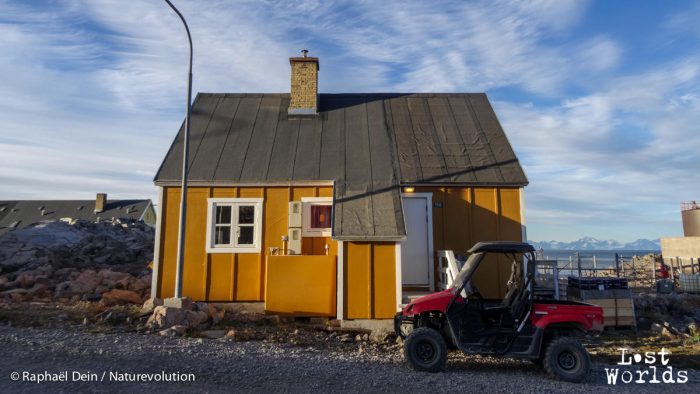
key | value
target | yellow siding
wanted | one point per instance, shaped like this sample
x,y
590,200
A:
x,y
227,276
370,281
195,270
310,293
464,216
384,280
461,217
168,251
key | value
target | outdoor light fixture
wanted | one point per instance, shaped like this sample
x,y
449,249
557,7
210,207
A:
x,y
409,189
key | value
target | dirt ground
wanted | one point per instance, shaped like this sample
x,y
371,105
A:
x,y
96,318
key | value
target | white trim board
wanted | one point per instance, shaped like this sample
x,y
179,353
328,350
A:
x,y
399,285
523,223
340,283
156,244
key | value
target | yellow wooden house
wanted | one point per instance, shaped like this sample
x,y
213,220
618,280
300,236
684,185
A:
x,y
334,204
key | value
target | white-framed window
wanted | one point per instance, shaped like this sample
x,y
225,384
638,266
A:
x,y
234,225
316,217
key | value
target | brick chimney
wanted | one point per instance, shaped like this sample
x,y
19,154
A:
x,y
304,93
100,202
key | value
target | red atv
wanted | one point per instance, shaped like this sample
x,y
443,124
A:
x,y
521,325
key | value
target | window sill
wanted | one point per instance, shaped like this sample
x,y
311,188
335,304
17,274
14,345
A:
x,y
312,233
216,250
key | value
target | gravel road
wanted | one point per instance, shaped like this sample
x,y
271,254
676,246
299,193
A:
x,y
227,366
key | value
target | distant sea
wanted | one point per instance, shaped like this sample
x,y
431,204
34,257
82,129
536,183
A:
x,y
603,258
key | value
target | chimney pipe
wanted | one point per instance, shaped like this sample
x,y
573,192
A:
x,y
100,202
304,85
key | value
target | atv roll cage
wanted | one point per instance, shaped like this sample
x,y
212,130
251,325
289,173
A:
x,y
479,325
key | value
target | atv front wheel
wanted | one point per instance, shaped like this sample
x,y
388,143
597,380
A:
x,y
425,350
566,359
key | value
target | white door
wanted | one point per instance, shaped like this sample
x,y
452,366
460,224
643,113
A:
x,y
415,251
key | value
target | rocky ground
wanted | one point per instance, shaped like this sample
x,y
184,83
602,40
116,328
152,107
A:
x,y
73,298
226,365
68,262
247,352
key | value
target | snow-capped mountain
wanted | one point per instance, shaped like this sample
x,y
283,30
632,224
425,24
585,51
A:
x,y
590,243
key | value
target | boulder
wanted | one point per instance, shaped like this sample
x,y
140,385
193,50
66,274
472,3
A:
x,y
150,304
692,329
86,282
119,297
25,279
165,317
179,303
113,276
661,329
135,284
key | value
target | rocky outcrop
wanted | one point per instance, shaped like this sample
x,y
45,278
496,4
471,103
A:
x,y
122,246
82,260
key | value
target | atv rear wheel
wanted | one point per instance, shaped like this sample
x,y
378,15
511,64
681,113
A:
x,y
425,350
566,359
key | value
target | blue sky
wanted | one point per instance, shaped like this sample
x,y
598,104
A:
x,y
600,99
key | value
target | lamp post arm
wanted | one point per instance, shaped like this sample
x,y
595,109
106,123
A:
x,y
185,159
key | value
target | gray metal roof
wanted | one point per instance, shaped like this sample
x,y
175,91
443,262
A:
x,y
367,144
28,212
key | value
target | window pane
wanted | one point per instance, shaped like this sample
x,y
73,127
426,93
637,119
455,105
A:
x,y
245,235
223,214
246,214
222,235
321,216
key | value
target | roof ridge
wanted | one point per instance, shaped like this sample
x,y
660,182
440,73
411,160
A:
x,y
385,94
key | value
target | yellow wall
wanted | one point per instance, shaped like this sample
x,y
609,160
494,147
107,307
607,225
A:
x,y
461,217
228,276
370,280
471,215
301,285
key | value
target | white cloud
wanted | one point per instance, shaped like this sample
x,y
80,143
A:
x,y
625,155
599,53
97,89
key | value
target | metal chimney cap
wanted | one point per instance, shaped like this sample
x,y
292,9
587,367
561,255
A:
x,y
305,52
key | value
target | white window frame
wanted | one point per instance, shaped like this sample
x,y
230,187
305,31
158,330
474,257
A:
x,y
234,202
306,203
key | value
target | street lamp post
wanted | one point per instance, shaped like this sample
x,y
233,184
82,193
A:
x,y
185,156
